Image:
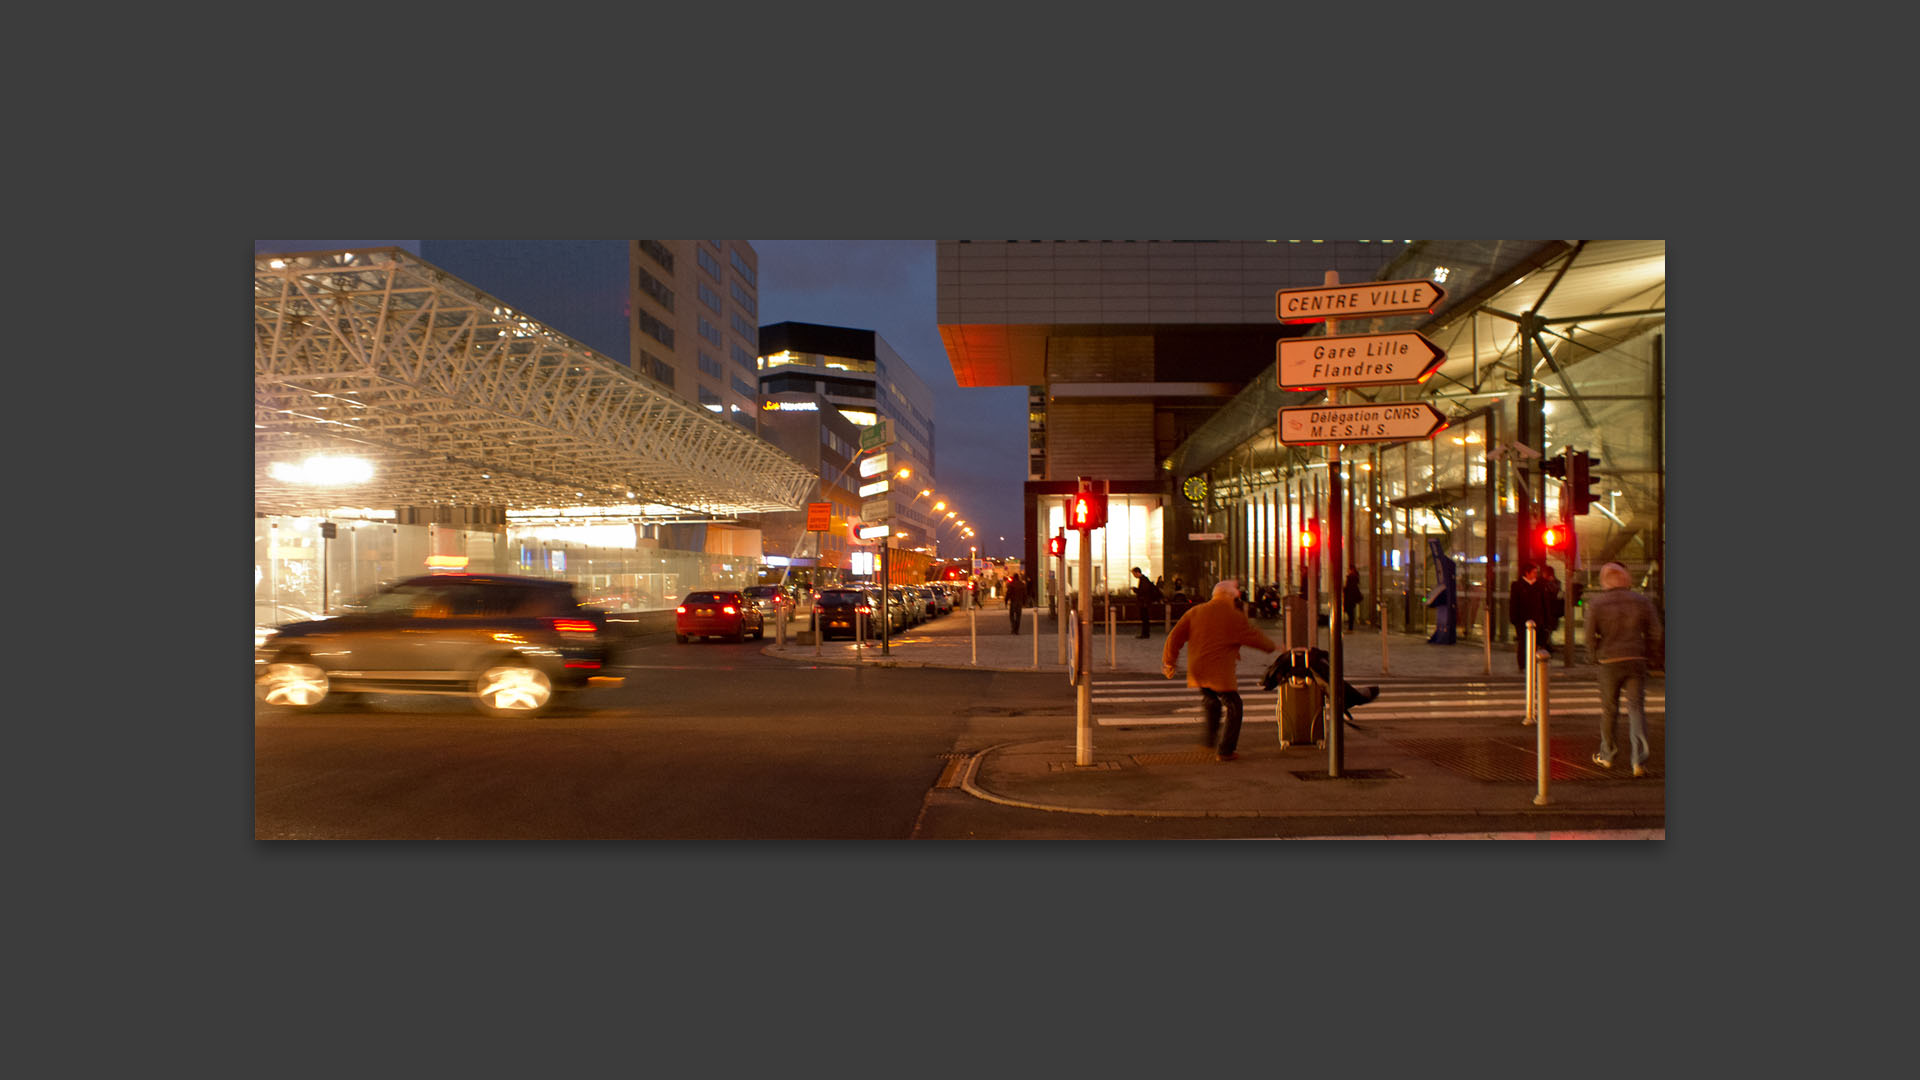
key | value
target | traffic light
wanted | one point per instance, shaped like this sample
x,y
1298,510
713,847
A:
x,y
1310,538
1087,509
1580,483
1056,547
1555,466
1553,538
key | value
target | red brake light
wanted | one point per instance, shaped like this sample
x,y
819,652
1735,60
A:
x,y
681,610
579,625
864,609
726,609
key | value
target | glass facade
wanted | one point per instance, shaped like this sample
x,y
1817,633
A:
x,y
296,567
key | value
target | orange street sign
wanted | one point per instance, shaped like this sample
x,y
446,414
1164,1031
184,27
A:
x,y
1357,301
819,517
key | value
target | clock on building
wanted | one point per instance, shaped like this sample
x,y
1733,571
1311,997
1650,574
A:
x,y
1196,490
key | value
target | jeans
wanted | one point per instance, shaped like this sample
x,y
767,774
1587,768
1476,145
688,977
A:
x,y
1230,738
1630,676
1014,614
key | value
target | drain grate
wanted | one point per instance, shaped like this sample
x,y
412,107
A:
x,y
1350,774
1068,766
1175,757
1496,761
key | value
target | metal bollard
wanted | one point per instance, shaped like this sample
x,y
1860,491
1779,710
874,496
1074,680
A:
x,y
1486,636
1111,663
1530,675
780,627
1542,660
1381,607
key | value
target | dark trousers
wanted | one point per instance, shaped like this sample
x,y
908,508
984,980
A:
x,y
1014,614
1146,619
1229,738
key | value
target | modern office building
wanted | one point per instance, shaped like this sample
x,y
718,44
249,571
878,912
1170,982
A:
x,y
1152,366
864,381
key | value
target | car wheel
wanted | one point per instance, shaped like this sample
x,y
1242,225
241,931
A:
x,y
511,688
295,682
681,638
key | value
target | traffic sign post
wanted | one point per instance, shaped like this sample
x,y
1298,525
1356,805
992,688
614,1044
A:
x,y
1333,301
1397,421
1356,360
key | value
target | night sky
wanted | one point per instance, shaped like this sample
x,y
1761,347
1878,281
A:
x,y
980,435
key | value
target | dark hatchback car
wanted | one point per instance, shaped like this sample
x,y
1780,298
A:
x,y
717,614
513,645
843,613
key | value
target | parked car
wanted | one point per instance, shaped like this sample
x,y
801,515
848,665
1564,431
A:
x,y
915,603
513,645
725,613
769,600
939,600
897,615
843,612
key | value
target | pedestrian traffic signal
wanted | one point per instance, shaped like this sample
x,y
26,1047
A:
x,y
1310,538
1580,482
1554,538
1555,466
1056,547
1087,510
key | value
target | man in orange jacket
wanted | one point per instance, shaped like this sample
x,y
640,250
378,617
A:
x,y
1217,629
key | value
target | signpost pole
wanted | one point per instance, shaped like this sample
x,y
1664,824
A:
x,y
1335,744
1083,682
886,612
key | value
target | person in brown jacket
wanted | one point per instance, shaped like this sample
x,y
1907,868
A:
x,y
1217,630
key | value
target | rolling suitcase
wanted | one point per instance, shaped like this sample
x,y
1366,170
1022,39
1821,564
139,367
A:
x,y
1302,698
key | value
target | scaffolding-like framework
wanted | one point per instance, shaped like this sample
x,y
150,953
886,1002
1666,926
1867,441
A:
x,y
454,397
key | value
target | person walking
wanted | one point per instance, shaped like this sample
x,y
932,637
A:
x,y
1350,596
1149,597
1016,599
1526,600
1217,630
1624,637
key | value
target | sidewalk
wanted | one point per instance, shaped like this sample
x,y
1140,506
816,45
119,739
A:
x,y
1448,765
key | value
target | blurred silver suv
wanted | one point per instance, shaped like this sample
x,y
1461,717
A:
x,y
513,645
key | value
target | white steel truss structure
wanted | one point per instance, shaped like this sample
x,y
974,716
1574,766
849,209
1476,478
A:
x,y
453,397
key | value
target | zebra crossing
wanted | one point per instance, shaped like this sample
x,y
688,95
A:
x,y
1141,701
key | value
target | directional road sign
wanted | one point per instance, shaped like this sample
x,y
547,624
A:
x,y
875,435
1396,421
1357,301
876,510
1357,360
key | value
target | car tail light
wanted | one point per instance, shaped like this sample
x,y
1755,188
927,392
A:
x,y
583,626
864,610
583,663
726,609
681,610
818,610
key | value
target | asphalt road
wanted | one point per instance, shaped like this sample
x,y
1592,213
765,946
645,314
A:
x,y
706,740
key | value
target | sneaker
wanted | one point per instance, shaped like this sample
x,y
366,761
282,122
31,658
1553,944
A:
x,y
1229,756
1639,770
1603,762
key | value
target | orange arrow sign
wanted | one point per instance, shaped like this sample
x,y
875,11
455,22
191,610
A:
x,y
1397,421
1357,301
1357,360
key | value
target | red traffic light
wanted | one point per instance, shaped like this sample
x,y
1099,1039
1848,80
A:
x,y
1056,546
1309,538
1087,510
1553,537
